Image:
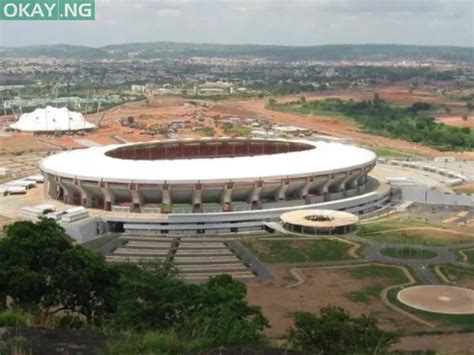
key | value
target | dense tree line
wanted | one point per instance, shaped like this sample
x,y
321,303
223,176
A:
x,y
146,307
380,117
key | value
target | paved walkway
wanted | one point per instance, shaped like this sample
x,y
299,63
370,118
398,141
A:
x,y
248,258
446,255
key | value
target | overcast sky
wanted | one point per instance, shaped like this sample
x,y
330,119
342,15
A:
x,y
292,22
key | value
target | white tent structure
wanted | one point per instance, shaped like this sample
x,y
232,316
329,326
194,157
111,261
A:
x,y
51,119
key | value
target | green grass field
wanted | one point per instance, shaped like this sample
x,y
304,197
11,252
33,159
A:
x,y
394,274
411,232
456,274
366,295
297,251
408,253
310,111
387,152
390,276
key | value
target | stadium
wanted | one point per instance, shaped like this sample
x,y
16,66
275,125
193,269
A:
x,y
239,181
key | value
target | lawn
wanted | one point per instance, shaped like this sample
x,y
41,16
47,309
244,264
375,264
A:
x,y
412,232
456,274
298,251
382,276
315,112
392,273
408,253
366,295
387,152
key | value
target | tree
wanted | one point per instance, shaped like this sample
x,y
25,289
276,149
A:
x,y
224,315
334,331
40,270
150,299
376,99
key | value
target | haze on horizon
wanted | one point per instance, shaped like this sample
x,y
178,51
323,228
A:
x,y
279,22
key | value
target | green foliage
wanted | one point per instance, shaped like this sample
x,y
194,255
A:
x,y
155,343
208,131
224,315
298,251
12,318
393,273
382,118
366,295
41,270
151,300
334,331
240,130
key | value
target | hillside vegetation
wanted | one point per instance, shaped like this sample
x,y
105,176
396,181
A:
x,y
382,118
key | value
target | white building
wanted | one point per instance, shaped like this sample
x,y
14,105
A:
x,y
52,119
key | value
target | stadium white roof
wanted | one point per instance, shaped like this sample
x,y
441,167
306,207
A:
x,y
93,164
51,119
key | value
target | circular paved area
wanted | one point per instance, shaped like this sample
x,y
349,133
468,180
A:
x,y
439,299
319,221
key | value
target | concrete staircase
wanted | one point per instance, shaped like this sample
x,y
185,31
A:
x,y
196,258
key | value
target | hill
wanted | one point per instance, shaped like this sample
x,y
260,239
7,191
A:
x,y
172,50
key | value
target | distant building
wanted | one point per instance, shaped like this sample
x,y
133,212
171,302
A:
x,y
214,88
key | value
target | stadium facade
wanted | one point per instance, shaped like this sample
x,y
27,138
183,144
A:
x,y
209,181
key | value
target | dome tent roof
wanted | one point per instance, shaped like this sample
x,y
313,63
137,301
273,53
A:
x,y
51,119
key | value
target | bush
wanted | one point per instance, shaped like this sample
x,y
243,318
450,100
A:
x,y
155,343
12,318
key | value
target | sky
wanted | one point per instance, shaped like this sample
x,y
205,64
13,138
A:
x,y
282,22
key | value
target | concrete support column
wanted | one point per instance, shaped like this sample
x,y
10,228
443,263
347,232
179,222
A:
x,y
50,187
254,197
137,198
305,189
362,180
46,186
165,199
342,185
86,200
109,197
226,198
67,192
327,184
281,192
197,198
355,182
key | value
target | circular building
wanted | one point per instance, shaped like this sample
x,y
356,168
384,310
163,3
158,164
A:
x,y
439,299
210,175
319,222
52,119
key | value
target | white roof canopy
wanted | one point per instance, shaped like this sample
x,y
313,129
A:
x,y
93,164
51,119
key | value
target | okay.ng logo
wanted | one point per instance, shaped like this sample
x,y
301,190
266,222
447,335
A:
x,y
47,9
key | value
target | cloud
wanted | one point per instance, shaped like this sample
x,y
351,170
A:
x,y
297,22
168,12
